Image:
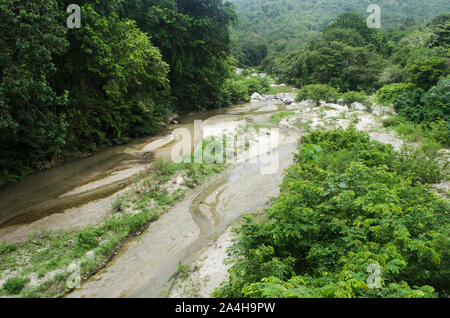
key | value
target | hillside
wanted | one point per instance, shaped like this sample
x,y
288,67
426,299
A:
x,y
281,24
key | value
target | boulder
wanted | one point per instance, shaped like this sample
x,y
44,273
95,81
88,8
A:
x,y
288,101
269,97
341,101
360,107
307,103
256,96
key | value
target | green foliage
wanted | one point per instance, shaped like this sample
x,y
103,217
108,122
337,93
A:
x,y
122,89
419,106
317,92
351,97
250,53
425,74
32,124
6,248
239,88
389,93
14,286
87,240
343,61
289,24
357,203
194,39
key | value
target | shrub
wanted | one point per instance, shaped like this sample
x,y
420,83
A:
x,y
6,248
425,74
419,106
14,286
388,93
239,88
391,122
351,97
437,102
318,92
440,132
87,240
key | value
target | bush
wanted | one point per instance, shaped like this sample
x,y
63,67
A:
x,y
87,240
389,93
7,248
425,74
390,122
419,106
239,88
347,204
351,97
14,286
440,132
318,92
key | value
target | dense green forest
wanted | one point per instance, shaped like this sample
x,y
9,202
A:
x,y
276,25
119,76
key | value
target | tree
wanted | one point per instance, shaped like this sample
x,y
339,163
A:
x,y
193,36
425,74
251,54
32,123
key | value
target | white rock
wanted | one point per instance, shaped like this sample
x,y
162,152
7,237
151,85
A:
x,y
307,103
360,107
288,101
256,96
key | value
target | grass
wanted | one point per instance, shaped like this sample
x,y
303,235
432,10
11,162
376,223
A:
x,y
432,133
47,255
13,286
183,271
284,89
277,117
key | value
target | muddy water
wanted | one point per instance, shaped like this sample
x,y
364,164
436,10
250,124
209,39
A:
x,y
146,265
81,181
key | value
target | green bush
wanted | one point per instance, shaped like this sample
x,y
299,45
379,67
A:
x,y
388,93
425,74
390,122
239,88
347,205
6,248
431,106
14,286
317,92
87,240
351,97
440,132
